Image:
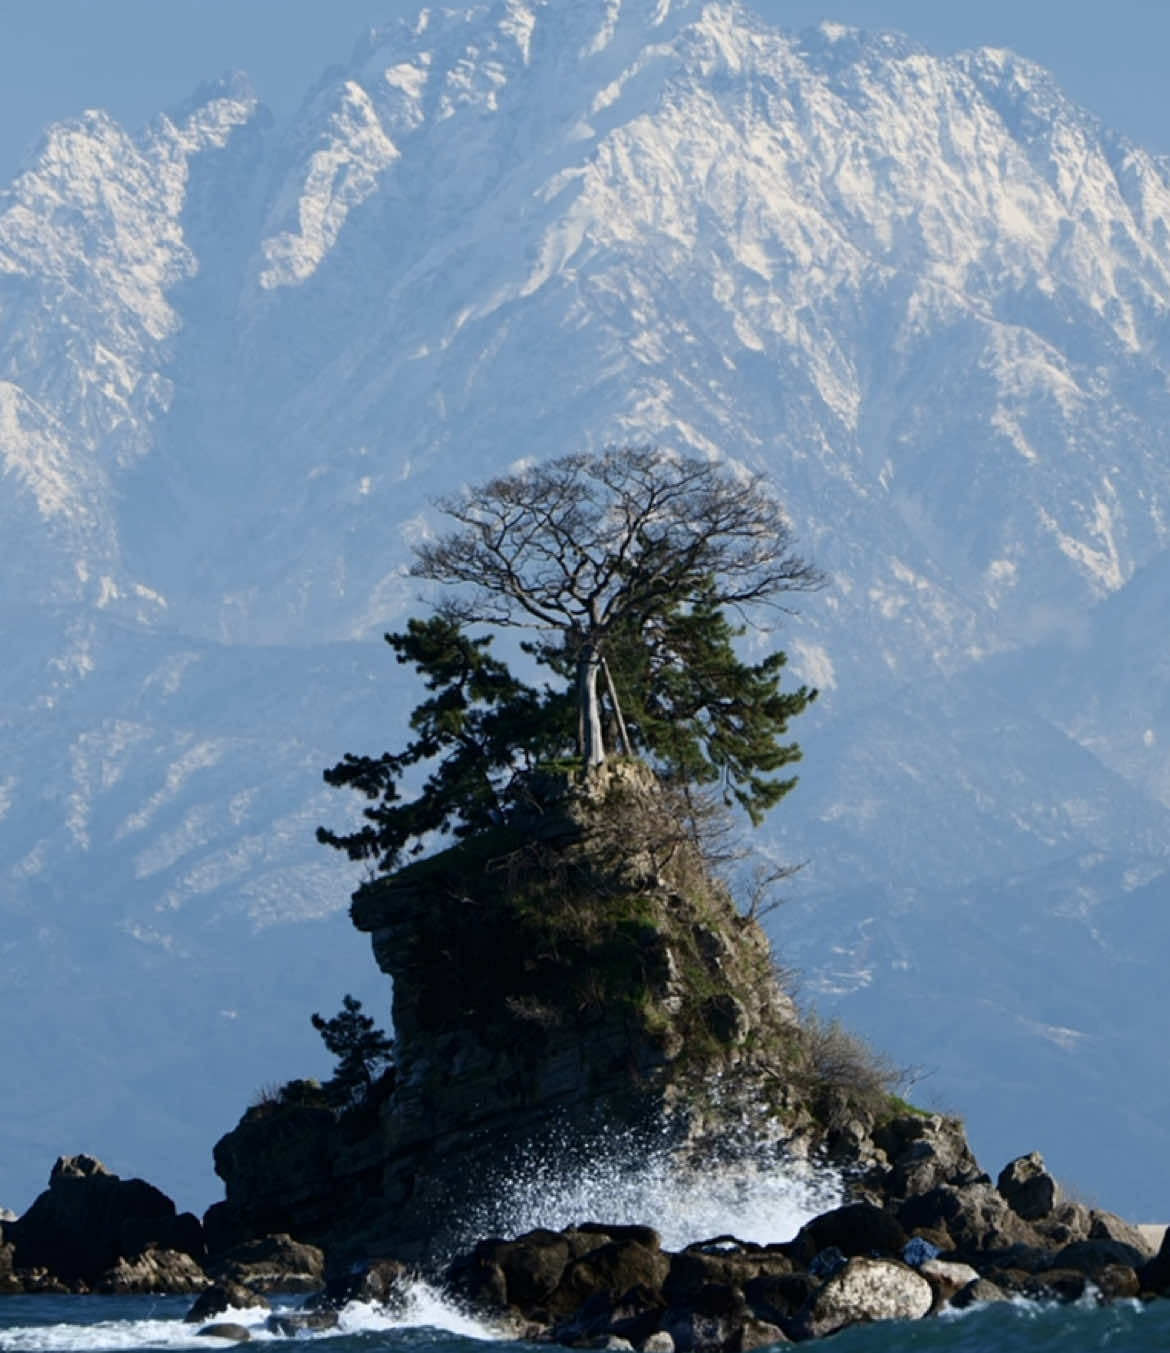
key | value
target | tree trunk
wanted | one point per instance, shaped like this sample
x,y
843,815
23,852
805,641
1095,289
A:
x,y
589,707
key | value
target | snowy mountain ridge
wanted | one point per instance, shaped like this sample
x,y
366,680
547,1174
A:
x,y
928,296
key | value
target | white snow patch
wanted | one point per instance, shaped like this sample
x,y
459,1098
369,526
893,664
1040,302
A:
x,y
339,176
200,756
605,34
1102,564
408,78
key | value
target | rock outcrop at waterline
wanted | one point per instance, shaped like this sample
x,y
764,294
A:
x,y
940,1238
574,971
92,1231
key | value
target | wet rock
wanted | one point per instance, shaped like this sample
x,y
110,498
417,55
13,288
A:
x,y
224,1296
533,1266
302,1322
1056,1284
694,1332
1027,1186
154,1271
274,1263
982,1290
381,1281
1118,1282
777,1298
701,1266
855,1229
612,1269
634,1316
1093,1256
226,1330
752,1333
868,1290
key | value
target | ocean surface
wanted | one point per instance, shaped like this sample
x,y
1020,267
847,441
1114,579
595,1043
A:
x,y
756,1202
431,1325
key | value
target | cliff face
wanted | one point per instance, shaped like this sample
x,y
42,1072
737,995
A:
x,y
576,970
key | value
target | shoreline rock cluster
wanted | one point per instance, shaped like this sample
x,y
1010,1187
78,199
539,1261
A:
x,y
924,1230
580,968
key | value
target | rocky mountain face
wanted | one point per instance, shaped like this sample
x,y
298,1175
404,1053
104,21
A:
x,y
928,296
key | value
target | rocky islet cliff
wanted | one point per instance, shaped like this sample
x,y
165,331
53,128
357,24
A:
x,y
580,969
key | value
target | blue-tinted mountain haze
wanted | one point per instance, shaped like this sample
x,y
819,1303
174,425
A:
x,y
928,296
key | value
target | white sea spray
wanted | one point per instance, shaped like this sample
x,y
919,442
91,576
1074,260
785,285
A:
x,y
631,1177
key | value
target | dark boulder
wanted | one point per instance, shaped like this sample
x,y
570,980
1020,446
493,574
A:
x,y
88,1219
533,1266
855,1229
925,1152
634,1317
1055,1284
382,1282
275,1263
1118,1282
1094,1256
1155,1275
701,1266
777,1298
975,1216
1027,1186
613,1269
982,1291
224,1296
302,1322
226,1330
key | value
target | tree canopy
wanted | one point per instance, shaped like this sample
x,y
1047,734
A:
x,y
587,547
626,564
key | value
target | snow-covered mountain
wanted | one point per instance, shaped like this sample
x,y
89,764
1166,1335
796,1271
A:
x,y
931,297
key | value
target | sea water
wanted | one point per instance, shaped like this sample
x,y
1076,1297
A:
x,y
432,1325
755,1200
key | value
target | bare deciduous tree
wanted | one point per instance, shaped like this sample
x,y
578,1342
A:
x,y
584,546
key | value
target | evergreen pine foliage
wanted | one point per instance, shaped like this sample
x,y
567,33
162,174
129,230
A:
x,y
361,1051
627,564
478,728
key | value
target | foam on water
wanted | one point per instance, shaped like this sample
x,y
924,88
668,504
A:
x,y
424,1308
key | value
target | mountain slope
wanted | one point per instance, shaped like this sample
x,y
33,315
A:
x,y
929,297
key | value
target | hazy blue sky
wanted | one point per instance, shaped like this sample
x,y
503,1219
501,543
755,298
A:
x,y
137,57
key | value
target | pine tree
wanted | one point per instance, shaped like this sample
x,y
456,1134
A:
x,y
360,1049
629,563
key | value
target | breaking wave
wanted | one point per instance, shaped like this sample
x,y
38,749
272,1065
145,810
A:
x,y
639,1177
